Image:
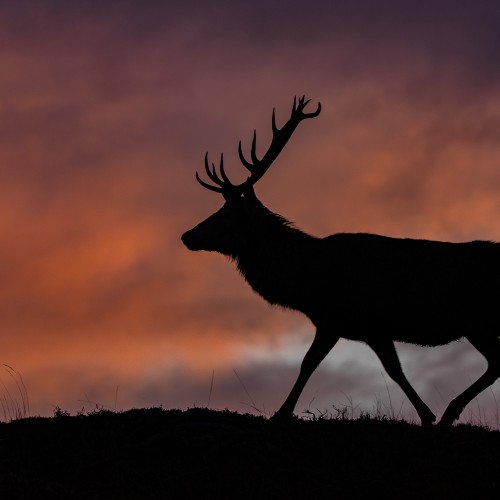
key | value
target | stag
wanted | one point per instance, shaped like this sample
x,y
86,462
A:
x,y
357,286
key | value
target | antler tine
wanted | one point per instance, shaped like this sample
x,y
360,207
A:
x,y
273,122
225,178
303,102
243,160
208,186
253,150
212,174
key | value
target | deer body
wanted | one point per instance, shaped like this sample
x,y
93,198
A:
x,y
357,286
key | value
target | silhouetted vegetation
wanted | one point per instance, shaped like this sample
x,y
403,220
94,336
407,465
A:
x,y
204,454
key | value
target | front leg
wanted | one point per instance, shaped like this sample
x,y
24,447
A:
x,y
322,344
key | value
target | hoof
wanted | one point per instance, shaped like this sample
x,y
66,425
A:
x,y
427,422
281,416
448,417
446,422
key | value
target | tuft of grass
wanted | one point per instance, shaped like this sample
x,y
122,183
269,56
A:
x,y
478,417
383,410
98,406
14,400
253,404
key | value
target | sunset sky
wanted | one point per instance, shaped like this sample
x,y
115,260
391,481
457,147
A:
x,y
107,110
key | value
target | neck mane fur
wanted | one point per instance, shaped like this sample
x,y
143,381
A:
x,y
274,256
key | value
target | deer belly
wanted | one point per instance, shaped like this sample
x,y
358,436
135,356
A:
x,y
427,325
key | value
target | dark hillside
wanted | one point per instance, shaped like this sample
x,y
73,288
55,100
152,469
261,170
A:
x,y
205,454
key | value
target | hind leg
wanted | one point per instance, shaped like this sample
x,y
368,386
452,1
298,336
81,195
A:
x,y
387,354
489,347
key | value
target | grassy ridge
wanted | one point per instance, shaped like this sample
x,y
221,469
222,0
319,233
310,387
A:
x,y
205,454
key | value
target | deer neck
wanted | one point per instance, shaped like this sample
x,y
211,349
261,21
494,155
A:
x,y
272,258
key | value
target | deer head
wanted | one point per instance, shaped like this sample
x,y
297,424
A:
x,y
223,231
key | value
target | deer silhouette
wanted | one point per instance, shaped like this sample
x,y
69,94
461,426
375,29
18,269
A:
x,y
363,287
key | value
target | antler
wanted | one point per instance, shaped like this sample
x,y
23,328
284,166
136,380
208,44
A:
x,y
256,167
